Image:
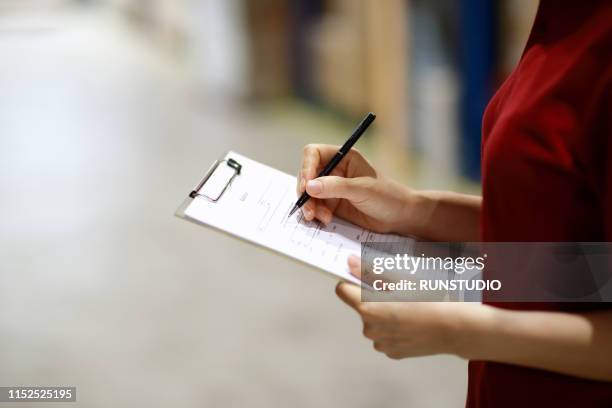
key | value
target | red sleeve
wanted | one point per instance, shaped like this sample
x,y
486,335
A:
x,y
607,128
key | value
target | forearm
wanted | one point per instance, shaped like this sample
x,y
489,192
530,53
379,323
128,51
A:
x,y
443,216
573,344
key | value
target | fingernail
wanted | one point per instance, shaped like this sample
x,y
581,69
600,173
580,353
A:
x,y
314,187
354,261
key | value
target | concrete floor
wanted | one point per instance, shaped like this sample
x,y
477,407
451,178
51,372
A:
x,y
101,287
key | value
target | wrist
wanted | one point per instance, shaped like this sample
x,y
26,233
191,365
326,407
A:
x,y
471,328
429,215
416,212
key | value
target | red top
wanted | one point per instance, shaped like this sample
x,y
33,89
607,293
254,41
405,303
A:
x,y
547,175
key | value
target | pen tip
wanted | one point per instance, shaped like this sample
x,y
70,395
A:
x,y
293,210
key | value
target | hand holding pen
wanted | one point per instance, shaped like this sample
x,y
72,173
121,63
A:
x,y
335,160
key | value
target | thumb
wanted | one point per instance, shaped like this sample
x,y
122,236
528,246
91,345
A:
x,y
352,189
349,293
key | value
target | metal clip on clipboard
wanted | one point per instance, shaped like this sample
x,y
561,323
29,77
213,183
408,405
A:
x,y
217,180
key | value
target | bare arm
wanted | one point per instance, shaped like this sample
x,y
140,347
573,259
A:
x,y
442,216
574,344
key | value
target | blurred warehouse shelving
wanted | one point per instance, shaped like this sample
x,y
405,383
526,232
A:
x,y
427,68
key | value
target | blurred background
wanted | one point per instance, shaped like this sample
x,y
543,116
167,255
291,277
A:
x,y
110,111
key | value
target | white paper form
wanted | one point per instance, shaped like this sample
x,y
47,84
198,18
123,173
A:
x,y
255,207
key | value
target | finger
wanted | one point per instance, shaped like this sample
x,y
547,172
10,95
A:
x,y
323,213
372,331
352,189
337,172
311,159
354,264
350,294
316,156
301,183
381,346
325,151
332,204
396,354
309,210
390,349
364,272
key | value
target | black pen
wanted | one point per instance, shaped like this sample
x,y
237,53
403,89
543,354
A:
x,y
346,147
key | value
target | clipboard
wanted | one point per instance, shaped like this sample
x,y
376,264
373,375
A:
x,y
251,201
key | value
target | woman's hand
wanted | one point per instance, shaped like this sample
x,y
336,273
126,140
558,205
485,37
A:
x,y
577,344
410,329
354,191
